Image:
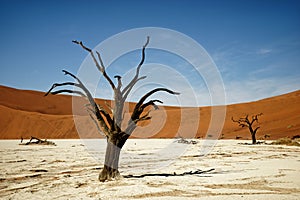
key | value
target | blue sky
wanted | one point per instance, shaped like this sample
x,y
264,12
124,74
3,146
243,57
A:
x,y
255,44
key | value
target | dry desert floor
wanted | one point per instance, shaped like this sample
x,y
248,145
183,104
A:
x,y
230,170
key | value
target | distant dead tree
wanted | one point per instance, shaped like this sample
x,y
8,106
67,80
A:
x,y
246,122
109,122
35,140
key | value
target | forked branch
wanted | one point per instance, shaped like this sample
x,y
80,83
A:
x,y
255,130
100,114
100,66
136,78
142,100
140,106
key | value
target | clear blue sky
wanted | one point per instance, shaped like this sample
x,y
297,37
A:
x,y
255,44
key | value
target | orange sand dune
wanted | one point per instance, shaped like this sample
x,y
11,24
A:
x,y
25,113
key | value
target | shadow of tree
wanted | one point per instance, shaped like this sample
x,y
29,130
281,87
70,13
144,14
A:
x,y
169,174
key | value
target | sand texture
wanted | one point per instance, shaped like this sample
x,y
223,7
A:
x,y
70,171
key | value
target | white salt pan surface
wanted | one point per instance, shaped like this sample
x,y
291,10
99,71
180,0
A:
x,y
70,171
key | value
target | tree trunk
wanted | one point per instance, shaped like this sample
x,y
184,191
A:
x,y
252,134
110,170
253,138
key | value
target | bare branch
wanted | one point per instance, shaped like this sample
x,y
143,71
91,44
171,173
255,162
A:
x,y
135,79
95,121
87,106
107,117
255,118
101,67
61,84
67,91
103,112
234,120
243,122
141,101
125,92
99,113
100,60
243,125
256,129
81,44
81,85
143,118
109,106
73,76
119,82
139,107
152,102
143,55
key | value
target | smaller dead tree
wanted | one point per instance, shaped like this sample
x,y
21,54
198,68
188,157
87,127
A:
x,y
246,122
35,140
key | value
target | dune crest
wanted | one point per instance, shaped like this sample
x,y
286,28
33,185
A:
x,y
26,113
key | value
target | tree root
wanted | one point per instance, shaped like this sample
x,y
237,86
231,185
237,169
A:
x,y
108,174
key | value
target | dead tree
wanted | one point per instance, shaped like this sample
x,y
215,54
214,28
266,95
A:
x,y
246,122
108,122
35,140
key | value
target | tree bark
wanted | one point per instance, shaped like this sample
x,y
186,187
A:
x,y
253,138
252,134
111,165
